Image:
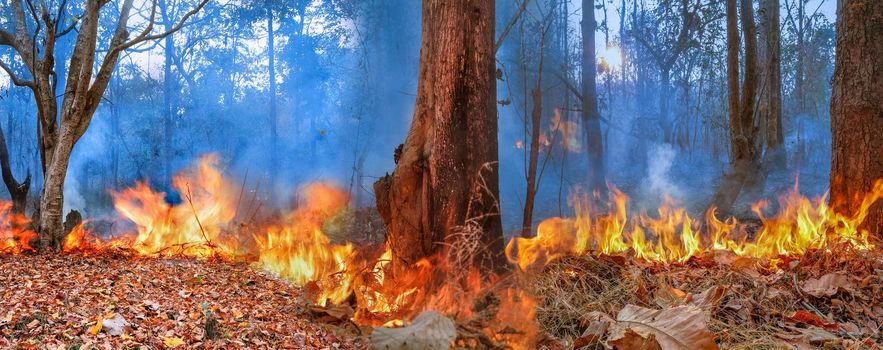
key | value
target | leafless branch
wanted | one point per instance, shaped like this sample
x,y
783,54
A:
x,y
510,25
181,22
15,79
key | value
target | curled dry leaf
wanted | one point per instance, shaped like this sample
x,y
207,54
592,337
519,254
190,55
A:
x,y
430,330
680,328
667,296
709,298
827,285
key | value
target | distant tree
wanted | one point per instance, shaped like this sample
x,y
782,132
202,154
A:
x,y
33,36
591,117
771,90
447,171
667,38
744,150
857,108
535,125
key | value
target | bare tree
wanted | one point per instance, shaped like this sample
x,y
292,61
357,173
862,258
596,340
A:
x,y
771,90
591,117
744,149
667,44
33,38
535,130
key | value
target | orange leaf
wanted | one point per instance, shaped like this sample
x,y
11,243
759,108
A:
x,y
806,317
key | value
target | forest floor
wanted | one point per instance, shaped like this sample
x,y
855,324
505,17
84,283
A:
x,y
116,301
821,300
113,300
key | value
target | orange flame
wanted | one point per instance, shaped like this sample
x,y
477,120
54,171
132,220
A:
x,y
675,236
194,225
300,251
14,236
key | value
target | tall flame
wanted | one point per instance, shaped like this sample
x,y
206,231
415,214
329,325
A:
x,y
300,251
674,236
195,225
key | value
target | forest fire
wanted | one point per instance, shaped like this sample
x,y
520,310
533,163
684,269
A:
x,y
14,235
296,246
801,224
390,209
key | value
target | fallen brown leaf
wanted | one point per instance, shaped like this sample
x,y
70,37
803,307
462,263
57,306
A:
x,y
682,327
631,340
827,285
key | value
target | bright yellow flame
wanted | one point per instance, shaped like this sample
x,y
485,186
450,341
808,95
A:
x,y
194,226
300,251
674,236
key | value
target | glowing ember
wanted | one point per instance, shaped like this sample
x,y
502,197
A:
x,y
14,236
674,236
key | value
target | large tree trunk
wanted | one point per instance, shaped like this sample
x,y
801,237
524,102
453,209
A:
x,y
857,108
52,198
769,103
447,172
591,117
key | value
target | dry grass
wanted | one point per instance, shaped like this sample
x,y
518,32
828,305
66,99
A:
x,y
752,313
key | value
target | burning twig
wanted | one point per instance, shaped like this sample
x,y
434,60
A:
x,y
189,197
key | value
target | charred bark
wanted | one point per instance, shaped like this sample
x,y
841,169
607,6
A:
x,y
857,108
448,172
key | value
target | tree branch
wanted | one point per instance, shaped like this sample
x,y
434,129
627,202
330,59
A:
x,y
15,79
144,37
510,24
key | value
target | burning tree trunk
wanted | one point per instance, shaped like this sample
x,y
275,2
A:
x,y
591,117
446,172
18,192
744,152
857,107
